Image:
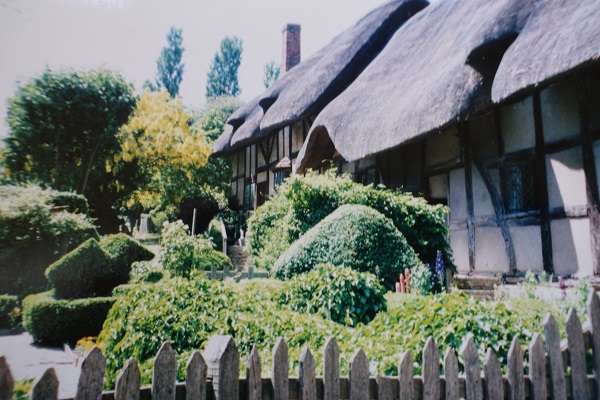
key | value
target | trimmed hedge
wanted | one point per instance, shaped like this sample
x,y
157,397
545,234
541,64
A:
x,y
354,236
84,272
336,293
302,201
9,311
54,322
124,251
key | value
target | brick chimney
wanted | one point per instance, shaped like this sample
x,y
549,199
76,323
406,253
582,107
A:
x,y
291,47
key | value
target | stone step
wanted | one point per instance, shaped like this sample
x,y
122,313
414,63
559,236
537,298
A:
x,y
476,282
239,257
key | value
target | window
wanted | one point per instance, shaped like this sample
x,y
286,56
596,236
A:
x,y
249,196
518,188
280,176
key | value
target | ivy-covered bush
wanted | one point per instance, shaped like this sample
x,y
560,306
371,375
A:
x,y
124,251
37,226
55,322
336,293
355,236
183,254
302,201
9,311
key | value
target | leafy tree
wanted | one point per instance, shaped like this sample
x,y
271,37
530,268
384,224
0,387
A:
x,y
272,71
169,65
222,78
62,134
213,117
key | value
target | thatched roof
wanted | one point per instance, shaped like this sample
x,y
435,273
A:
x,y
310,85
221,145
559,36
430,74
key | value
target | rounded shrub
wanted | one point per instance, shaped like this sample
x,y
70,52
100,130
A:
x,y
146,271
336,293
54,322
9,311
214,233
355,236
124,251
84,272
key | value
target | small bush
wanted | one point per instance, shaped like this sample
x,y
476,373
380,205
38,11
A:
x,y
336,293
355,236
123,251
55,322
146,272
214,233
421,280
9,311
72,202
84,272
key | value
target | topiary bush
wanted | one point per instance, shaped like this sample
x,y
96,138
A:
x,y
84,272
302,201
54,322
336,293
123,251
355,236
9,311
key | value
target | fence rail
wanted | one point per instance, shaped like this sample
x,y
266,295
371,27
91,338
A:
x,y
555,369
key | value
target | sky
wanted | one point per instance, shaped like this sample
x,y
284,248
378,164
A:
x,y
127,35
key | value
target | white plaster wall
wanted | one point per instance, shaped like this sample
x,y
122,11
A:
x,y
560,112
482,131
297,136
459,241
280,143
490,251
240,191
261,177
442,147
566,178
259,154
286,141
482,201
271,182
457,199
517,124
438,186
527,241
597,158
571,246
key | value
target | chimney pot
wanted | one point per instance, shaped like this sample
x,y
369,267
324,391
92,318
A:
x,y
291,47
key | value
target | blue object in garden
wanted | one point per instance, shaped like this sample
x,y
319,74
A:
x,y
440,268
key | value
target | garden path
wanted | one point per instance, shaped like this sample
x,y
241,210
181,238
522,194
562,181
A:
x,y
28,361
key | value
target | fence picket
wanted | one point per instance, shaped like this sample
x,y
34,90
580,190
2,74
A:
x,y
195,377
89,386
537,368
385,388
579,379
46,386
516,383
164,373
473,389
405,377
128,382
593,309
494,386
331,370
308,381
359,376
558,387
280,373
451,375
431,371
253,376
7,383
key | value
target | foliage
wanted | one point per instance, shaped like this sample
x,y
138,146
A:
x,y
35,231
222,78
22,389
212,119
9,311
62,134
302,201
336,293
146,272
124,251
70,201
158,217
214,233
84,272
183,254
421,279
272,71
169,65
54,322
355,236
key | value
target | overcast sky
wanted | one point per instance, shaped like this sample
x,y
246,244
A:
x,y
127,36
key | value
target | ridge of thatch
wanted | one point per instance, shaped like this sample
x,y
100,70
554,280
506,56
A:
x,y
431,73
221,144
312,84
559,36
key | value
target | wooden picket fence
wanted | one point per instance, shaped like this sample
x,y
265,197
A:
x,y
556,370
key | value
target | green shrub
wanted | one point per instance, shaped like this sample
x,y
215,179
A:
x,y
336,293
182,253
302,201
146,271
72,202
54,322
34,233
355,236
123,251
9,311
421,280
84,272
214,233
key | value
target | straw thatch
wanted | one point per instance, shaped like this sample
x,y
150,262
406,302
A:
x,y
237,122
430,74
221,145
559,36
